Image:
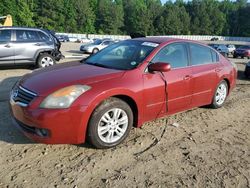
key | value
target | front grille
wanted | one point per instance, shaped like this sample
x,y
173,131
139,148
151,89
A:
x,y
22,96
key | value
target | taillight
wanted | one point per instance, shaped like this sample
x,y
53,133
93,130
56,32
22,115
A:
x,y
247,52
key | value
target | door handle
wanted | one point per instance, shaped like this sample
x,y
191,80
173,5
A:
x,y
38,44
187,77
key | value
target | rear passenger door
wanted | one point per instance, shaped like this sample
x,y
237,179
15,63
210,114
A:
x,y
6,47
27,44
204,62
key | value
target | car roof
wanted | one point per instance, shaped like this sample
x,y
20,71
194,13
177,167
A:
x,y
14,27
158,39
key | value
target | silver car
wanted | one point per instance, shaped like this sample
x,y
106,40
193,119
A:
x,y
96,46
20,45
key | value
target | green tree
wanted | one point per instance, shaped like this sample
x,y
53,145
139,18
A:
x,y
85,16
174,20
136,15
109,16
206,17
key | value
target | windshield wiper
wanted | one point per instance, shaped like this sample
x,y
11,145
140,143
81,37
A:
x,y
98,65
101,65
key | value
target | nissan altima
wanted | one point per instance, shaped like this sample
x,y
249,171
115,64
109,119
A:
x,y
99,99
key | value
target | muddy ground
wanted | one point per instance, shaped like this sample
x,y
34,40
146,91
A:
x,y
210,148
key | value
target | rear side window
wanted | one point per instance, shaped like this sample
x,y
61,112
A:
x,y
5,35
26,36
200,54
175,54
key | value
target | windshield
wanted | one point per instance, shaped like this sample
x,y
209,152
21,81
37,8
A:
x,y
123,55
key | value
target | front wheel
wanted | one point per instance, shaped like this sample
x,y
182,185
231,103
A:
x,y
45,60
95,50
110,123
220,95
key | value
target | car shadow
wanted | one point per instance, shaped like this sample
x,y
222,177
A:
x,y
8,132
241,76
10,67
75,51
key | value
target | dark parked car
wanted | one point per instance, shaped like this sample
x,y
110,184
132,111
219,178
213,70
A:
x,y
247,70
214,39
101,98
63,38
23,45
243,51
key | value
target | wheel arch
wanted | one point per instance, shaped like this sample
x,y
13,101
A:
x,y
228,84
126,96
132,104
38,53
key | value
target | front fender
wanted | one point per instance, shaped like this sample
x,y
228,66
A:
x,y
97,100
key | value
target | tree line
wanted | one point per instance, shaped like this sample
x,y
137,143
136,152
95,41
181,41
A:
x,y
148,17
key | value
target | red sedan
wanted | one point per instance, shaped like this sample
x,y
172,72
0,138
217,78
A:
x,y
126,84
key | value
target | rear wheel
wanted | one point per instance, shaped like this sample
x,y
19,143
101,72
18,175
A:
x,y
220,95
45,60
110,123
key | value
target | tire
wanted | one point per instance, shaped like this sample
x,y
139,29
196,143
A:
x,y
220,95
95,50
45,60
104,130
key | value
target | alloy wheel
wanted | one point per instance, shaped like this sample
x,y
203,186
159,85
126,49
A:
x,y
112,125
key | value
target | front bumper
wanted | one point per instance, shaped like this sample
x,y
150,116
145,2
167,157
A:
x,y
57,55
62,126
84,50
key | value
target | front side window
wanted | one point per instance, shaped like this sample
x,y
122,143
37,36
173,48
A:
x,y
5,35
175,54
26,36
200,54
123,55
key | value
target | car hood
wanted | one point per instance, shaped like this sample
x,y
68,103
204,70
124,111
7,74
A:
x,y
47,80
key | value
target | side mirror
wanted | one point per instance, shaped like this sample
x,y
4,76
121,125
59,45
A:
x,y
159,67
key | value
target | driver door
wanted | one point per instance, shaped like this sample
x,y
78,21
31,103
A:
x,y
178,93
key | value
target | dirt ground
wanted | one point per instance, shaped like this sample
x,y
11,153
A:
x,y
209,148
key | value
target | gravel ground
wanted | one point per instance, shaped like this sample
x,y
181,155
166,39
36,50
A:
x,y
209,148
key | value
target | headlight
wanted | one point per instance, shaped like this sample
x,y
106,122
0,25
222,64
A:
x,y
64,97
